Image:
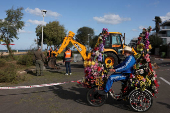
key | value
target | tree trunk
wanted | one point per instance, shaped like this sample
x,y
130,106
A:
x,y
9,49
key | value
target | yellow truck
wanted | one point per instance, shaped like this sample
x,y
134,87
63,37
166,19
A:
x,y
113,44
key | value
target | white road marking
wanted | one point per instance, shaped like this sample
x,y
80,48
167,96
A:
x,y
165,80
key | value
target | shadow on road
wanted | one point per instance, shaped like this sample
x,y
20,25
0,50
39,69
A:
x,y
77,66
76,93
26,93
31,73
119,104
167,105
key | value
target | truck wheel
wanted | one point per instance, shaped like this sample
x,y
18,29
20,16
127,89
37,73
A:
x,y
111,59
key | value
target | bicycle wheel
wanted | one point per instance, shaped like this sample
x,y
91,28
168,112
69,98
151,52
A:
x,y
94,98
140,100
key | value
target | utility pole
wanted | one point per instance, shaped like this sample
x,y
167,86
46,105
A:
x,y
88,42
43,11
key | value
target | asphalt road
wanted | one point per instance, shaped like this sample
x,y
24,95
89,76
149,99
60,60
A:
x,y
71,97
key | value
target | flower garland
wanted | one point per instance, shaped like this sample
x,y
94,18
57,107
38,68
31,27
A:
x,y
94,67
145,76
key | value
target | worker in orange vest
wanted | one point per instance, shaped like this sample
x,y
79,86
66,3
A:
x,y
67,60
49,55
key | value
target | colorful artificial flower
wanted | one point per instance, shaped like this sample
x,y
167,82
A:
x,y
93,63
147,57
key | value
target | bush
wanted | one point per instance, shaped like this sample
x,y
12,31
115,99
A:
x,y
2,62
27,59
9,75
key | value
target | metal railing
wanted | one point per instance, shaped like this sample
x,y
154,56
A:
x,y
162,35
165,27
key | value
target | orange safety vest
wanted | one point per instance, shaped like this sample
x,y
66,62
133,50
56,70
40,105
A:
x,y
49,53
68,54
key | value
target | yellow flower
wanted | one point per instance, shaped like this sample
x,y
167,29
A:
x,y
85,63
139,77
134,66
89,63
105,71
150,46
93,63
108,65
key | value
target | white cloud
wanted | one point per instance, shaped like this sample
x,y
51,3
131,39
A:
x,y
27,24
23,31
135,30
141,27
111,19
156,3
38,12
37,22
95,30
166,17
54,14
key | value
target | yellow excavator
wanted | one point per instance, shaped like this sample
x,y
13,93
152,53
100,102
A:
x,y
81,48
113,45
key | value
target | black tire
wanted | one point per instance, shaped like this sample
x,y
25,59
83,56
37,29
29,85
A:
x,y
109,54
94,98
140,101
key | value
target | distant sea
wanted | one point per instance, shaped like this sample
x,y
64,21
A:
x,y
16,50
12,50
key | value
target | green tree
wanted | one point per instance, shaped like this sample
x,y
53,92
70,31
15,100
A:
x,y
155,41
53,33
157,22
38,31
82,34
10,25
93,41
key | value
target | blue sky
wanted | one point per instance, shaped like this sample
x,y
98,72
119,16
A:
x,y
125,16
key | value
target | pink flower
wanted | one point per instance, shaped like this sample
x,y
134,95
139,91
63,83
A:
x,y
147,57
143,80
95,67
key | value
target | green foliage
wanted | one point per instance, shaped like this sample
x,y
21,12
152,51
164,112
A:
x,y
8,74
27,59
157,22
155,41
53,33
2,62
10,25
82,34
93,41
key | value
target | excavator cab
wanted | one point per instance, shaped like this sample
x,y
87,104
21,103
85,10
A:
x,y
113,46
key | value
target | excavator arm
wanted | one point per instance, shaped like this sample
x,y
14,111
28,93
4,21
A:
x,y
66,41
81,48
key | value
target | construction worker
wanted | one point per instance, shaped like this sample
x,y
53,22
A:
x,y
49,53
39,57
67,60
125,68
